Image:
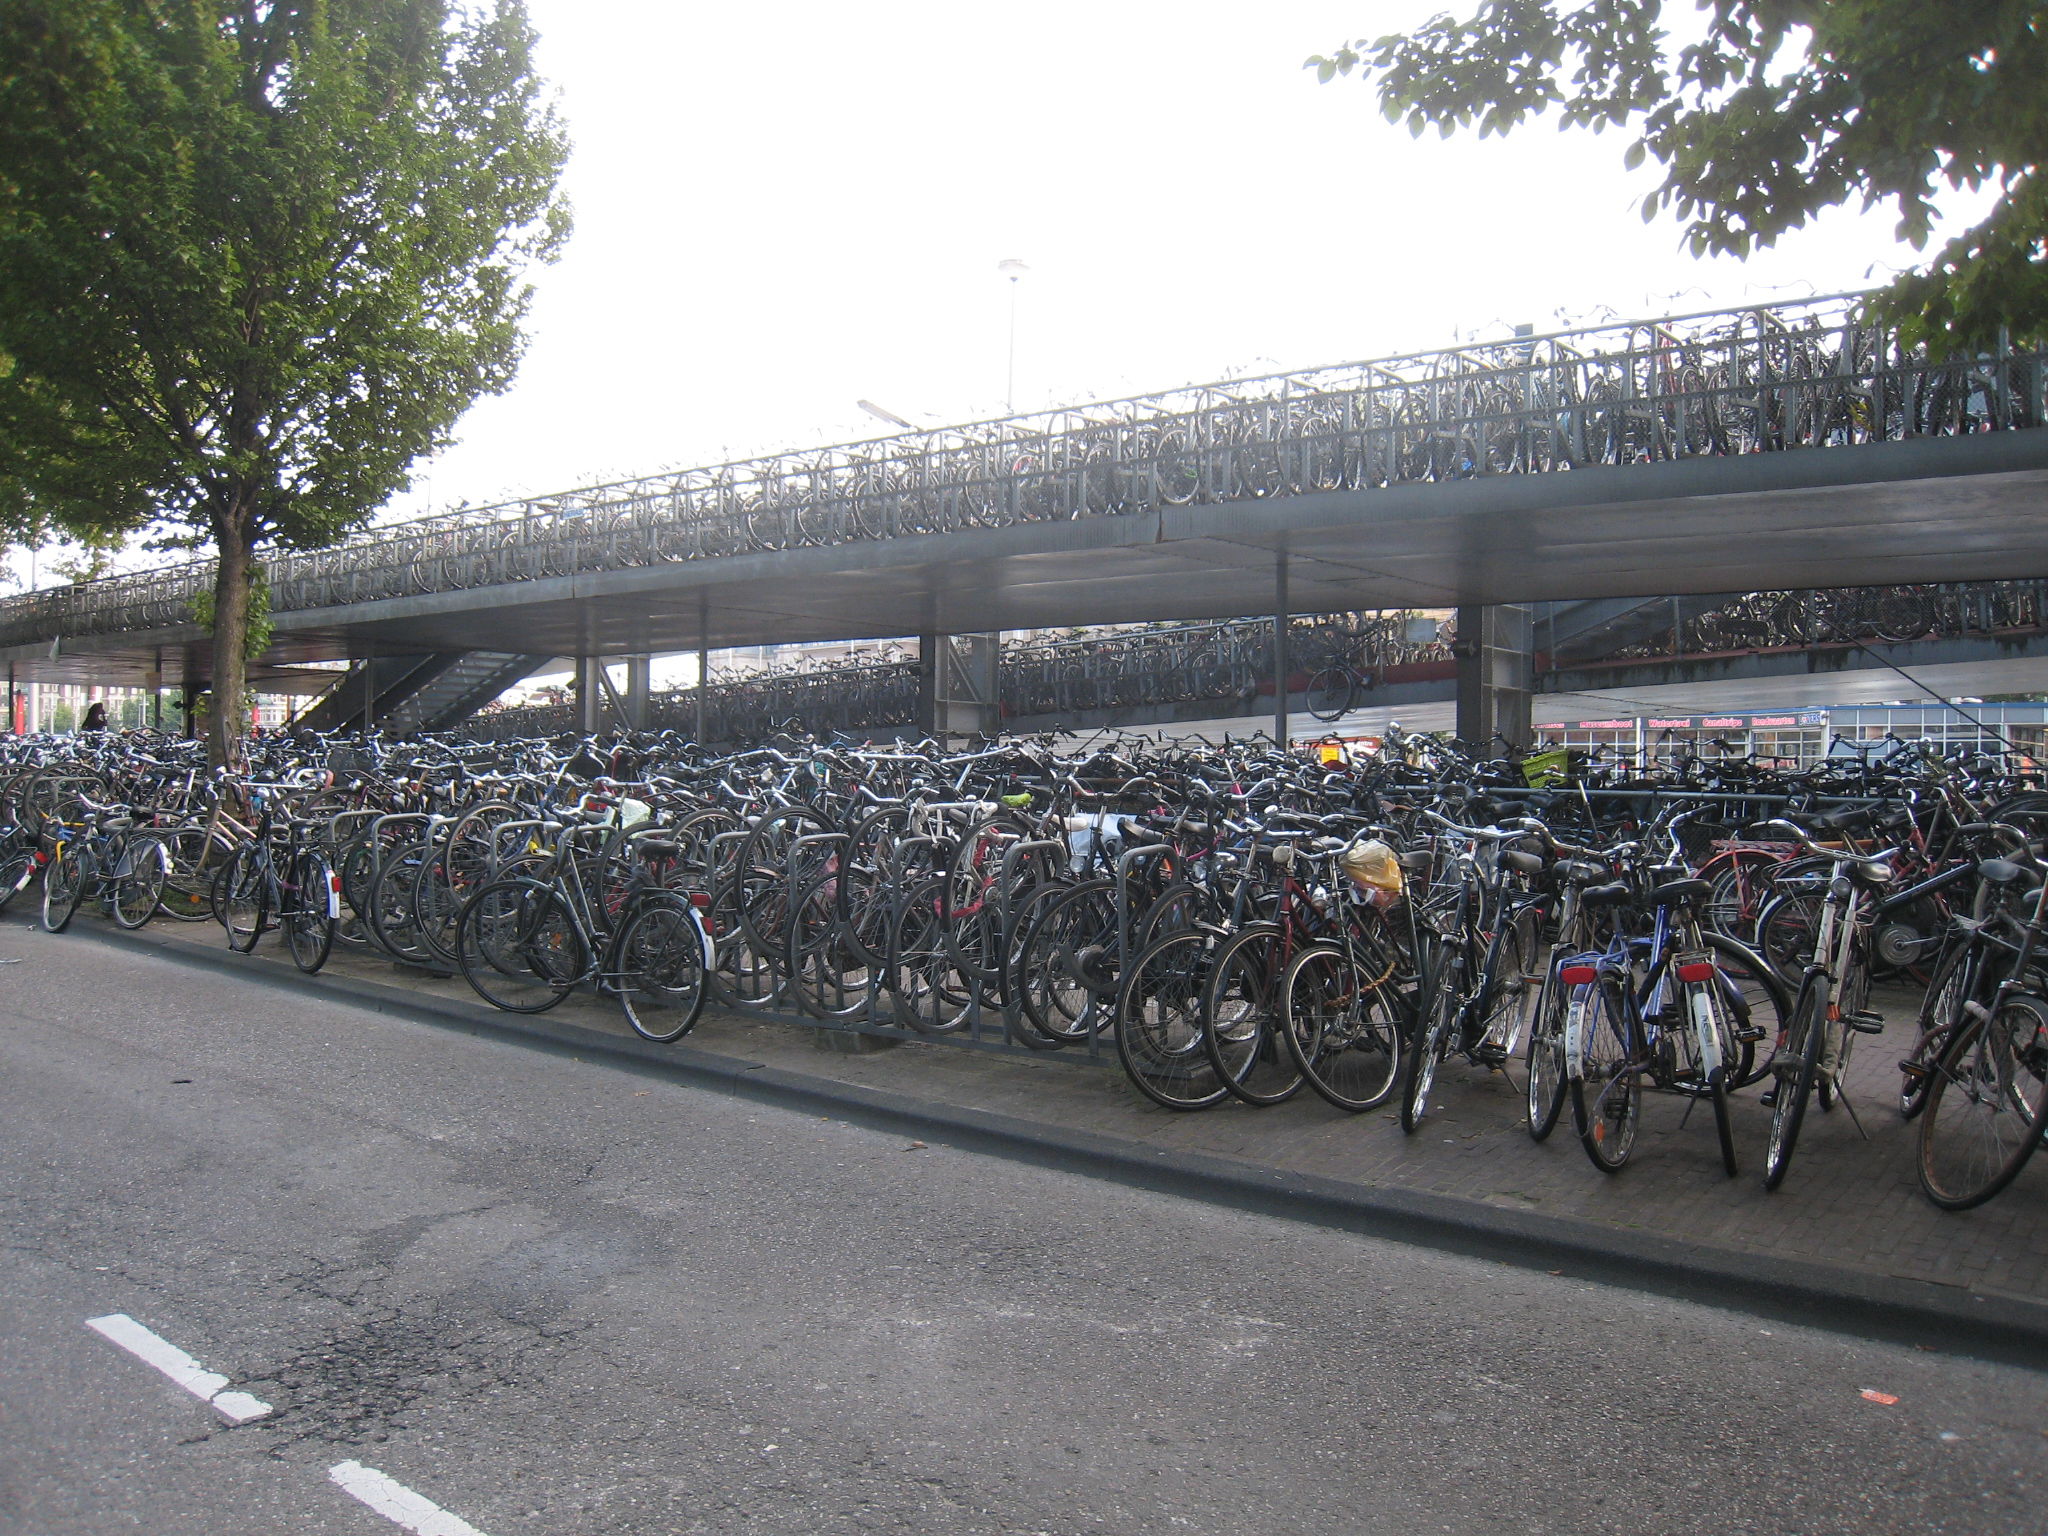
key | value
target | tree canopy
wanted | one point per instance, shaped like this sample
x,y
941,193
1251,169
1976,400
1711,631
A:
x,y
256,257
1774,111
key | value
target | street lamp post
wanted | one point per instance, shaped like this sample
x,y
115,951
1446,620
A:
x,y
1012,269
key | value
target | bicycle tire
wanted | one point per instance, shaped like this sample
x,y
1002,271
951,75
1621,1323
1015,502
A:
x,y
394,917
65,878
196,857
1795,1065
660,970
307,911
1069,963
1432,1036
1243,1017
1332,694
743,977
828,977
1157,1022
926,994
1346,1032
1757,999
519,947
1724,1123
17,871
135,894
1985,1104
1607,1095
1547,1086
241,898
437,897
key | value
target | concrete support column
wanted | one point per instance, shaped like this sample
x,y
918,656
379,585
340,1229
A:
x,y
957,685
1496,675
589,695
703,683
639,690
1282,620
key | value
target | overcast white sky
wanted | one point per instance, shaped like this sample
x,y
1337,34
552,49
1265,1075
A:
x,y
785,208
782,209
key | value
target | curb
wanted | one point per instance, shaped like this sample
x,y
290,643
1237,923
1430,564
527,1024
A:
x,y
2009,1329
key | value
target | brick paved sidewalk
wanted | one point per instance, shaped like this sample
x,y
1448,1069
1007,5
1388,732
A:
x,y
1847,1202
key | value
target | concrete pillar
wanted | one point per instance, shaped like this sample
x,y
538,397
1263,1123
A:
x,y
703,682
1282,619
957,685
1496,676
639,690
589,696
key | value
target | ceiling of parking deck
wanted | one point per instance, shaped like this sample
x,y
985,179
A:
x,y
1923,510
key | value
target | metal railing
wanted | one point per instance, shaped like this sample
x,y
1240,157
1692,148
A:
x,y
1802,374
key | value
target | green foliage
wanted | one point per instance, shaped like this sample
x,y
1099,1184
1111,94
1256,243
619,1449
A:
x,y
258,624
1776,111
256,257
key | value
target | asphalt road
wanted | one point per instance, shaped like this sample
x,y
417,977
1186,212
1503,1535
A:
x,y
552,1295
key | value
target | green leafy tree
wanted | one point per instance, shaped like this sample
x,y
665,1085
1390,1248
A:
x,y
256,257
1772,112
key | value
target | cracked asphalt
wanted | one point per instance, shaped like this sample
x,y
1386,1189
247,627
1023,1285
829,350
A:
x,y
555,1295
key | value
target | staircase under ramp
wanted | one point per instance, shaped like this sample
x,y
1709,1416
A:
x,y
427,692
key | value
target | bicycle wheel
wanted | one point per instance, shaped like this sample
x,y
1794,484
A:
x,y
394,916
137,885
929,997
1242,1017
1607,1095
1546,1057
1158,1022
17,869
659,968
1432,1035
356,867
196,857
743,977
1785,931
1504,1009
519,947
1344,1026
1757,1004
827,975
239,898
1985,1102
65,878
1331,694
1738,890
1724,1125
308,910
1794,1066
1069,963
437,896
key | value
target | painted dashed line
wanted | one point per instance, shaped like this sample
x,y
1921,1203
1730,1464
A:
x,y
121,1329
384,1494
396,1502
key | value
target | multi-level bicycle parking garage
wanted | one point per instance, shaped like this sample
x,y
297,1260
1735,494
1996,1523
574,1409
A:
x,y
1779,449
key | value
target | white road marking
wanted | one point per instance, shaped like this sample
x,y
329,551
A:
x,y
396,1502
119,1328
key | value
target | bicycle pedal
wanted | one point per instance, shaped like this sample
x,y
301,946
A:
x,y
1865,1022
1490,1055
1750,1034
1913,1071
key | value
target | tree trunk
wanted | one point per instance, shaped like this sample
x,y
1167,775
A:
x,y
225,722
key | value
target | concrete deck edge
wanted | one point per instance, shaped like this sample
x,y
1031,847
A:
x,y
1835,1298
